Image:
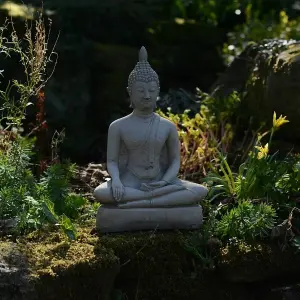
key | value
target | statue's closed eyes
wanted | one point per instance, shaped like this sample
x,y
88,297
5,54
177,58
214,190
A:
x,y
143,160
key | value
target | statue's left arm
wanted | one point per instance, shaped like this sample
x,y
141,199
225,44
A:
x,y
173,148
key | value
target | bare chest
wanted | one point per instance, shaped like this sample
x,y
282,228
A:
x,y
137,134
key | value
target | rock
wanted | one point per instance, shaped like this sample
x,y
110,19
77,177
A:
x,y
267,76
92,174
7,225
87,178
14,279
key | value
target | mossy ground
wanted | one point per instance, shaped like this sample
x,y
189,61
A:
x,y
256,262
147,265
61,269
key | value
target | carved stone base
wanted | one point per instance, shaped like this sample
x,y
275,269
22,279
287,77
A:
x,y
113,219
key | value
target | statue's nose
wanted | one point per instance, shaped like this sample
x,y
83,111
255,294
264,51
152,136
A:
x,y
146,95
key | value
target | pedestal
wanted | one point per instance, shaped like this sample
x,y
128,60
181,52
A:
x,y
113,219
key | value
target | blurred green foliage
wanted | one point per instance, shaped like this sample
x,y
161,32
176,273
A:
x,y
245,20
258,27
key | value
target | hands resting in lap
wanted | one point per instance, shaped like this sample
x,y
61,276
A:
x,y
118,188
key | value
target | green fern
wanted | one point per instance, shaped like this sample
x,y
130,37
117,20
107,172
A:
x,y
16,179
60,206
56,183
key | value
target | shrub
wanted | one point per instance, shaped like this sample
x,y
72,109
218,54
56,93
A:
x,y
203,133
32,202
247,221
259,177
15,177
262,190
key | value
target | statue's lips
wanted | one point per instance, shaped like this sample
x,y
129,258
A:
x,y
146,101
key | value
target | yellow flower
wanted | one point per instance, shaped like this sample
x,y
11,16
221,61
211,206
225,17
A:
x,y
279,122
263,151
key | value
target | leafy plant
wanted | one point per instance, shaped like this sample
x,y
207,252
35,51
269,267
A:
x,y
222,184
55,182
247,221
33,203
262,189
23,197
297,243
15,177
257,178
203,133
60,205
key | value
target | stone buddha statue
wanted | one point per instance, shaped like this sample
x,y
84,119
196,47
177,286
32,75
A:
x,y
143,160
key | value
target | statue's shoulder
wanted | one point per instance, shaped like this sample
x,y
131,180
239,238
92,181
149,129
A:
x,y
119,122
167,122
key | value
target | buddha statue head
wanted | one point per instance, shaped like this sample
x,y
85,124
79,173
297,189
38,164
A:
x,y
143,84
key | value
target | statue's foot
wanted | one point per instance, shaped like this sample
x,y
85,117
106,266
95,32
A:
x,y
179,198
136,204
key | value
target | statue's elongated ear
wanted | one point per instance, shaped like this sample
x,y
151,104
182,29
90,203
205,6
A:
x,y
128,90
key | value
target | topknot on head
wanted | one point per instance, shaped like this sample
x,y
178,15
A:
x,y
142,71
143,55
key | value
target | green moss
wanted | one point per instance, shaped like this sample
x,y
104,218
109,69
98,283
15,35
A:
x,y
157,266
287,57
149,266
141,249
61,269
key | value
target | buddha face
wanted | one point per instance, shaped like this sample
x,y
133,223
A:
x,y
144,95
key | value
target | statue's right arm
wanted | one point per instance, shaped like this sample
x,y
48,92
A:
x,y
113,148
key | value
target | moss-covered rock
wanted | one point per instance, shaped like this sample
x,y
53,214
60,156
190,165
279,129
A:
x,y
257,262
158,266
146,265
266,75
60,269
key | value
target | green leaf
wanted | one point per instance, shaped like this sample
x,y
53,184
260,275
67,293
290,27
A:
x,y
48,208
68,227
296,243
218,179
216,196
